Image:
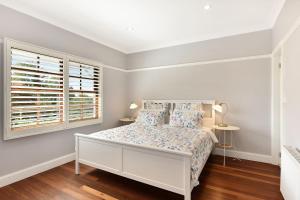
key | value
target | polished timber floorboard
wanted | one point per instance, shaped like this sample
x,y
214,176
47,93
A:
x,y
239,180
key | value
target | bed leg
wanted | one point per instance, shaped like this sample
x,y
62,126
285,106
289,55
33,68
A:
x,y
187,196
187,178
77,167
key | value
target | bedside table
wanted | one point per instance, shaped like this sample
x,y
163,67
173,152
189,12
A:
x,y
224,145
126,121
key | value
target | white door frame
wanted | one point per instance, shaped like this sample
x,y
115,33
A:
x,y
276,102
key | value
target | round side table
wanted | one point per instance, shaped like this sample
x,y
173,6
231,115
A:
x,y
224,145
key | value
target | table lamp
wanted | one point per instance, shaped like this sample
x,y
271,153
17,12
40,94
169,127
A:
x,y
223,109
132,107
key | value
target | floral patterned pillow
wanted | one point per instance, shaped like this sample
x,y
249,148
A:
x,y
151,117
188,119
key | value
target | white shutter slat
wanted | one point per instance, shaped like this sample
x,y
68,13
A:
x,y
35,83
37,106
45,79
31,73
34,102
35,88
21,116
16,112
39,118
82,109
39,70
35,119
36,97
36,92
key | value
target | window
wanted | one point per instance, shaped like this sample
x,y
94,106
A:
x,y
83,92
48,91
36,90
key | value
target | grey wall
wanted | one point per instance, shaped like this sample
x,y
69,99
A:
x,y
32,30
21,153
291,82
250,44
287,17
244,85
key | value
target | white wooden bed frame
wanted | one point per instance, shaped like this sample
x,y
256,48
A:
x,y
166,169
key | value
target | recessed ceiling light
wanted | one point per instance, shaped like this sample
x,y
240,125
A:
x,y
207,6
130,29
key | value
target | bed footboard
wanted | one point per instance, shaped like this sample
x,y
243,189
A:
x,y
166,170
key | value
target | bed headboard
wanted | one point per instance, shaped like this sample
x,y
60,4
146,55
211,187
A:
x,y
207,105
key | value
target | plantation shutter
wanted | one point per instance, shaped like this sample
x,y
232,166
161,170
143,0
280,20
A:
x,y
84,92
37,90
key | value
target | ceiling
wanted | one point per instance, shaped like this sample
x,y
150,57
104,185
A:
x,y
139,25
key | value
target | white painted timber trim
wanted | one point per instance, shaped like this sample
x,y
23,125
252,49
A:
x,y
276,120
36,169
287,35
164,66
114,68
245,155
202,63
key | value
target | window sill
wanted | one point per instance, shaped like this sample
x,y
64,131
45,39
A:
x,y
49,129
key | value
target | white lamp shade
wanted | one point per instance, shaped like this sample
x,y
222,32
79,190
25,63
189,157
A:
x,y
133,106
218,108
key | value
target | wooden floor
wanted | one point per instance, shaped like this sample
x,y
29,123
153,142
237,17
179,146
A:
x,y
239,180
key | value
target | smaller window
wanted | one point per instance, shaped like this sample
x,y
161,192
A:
x,y
84,92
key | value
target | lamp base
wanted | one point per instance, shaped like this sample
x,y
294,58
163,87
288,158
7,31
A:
x,y
222,125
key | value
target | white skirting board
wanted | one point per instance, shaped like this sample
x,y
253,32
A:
x,y
30,171
36,169
246,155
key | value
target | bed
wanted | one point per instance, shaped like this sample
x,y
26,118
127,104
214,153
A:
x,y
167,157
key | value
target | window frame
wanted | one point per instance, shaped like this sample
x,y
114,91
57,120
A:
x,y
100,80
47,128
